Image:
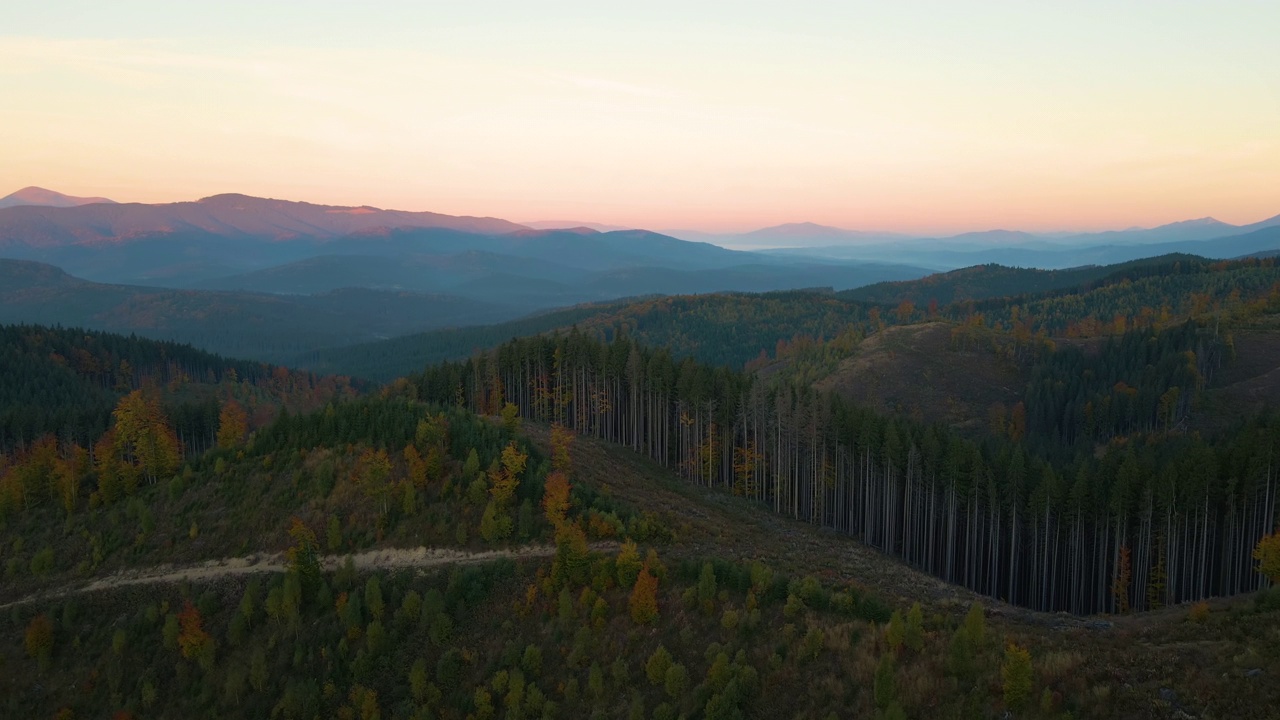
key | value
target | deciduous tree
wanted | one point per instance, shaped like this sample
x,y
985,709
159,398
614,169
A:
x,y
1267,553
555,498
644,598
38,640
193,640
233,425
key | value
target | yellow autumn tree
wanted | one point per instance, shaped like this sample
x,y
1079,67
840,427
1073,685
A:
x,y
561,445
1016,673
233,425
628,564
496,524
373,473
1267,553
555,498
143,437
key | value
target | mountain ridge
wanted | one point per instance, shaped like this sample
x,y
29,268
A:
x,y
43,197
228,214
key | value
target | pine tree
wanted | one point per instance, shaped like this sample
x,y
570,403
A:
x,y
914,635
656,667
884,686
1016,674
896,632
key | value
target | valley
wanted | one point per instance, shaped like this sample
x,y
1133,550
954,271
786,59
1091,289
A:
x,y
577,473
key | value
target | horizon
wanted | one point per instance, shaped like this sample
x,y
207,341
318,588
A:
x,y
699,234
924,119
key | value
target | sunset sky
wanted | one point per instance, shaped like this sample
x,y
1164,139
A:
x,y
910,116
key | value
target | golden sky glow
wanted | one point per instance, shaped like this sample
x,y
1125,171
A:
x,y
923,117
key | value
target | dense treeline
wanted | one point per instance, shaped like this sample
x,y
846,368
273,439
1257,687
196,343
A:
x,y
386,360
1147,523
719,329
1142,381
735,329
981,282
66,382
1161,293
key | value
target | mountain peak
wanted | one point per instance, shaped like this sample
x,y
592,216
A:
x,y
1197,222
32,195
801,228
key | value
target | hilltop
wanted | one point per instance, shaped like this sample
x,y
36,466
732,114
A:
x,y
33,195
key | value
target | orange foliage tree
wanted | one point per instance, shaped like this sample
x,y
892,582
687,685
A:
x,y
644,597
416,465
555,498
233,425
38,640
1124,575
193,640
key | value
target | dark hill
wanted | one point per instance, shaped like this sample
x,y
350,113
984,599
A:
x,y
982,282
231,215
251,325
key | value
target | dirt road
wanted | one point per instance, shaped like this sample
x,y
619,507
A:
x,y
380,559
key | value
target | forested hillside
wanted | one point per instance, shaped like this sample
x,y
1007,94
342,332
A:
x,y
1153,518
386,360
720,328
251,325
388,557
981,282
272,542
65,383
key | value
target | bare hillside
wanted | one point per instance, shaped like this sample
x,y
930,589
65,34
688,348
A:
x,y
916,371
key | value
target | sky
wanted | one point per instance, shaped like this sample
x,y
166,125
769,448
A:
x,y
718,116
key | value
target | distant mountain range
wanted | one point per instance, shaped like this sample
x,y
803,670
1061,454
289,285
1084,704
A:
x,y
227,216
1021,250
237,242
571,224
963,250
280,267
47,198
